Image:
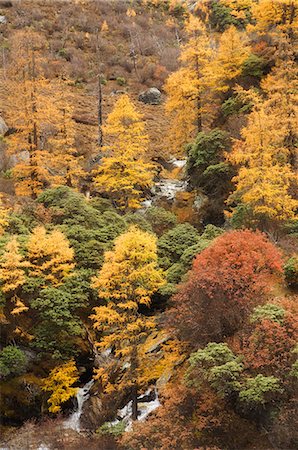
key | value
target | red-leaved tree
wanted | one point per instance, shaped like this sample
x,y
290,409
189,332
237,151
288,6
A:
x,y
226,281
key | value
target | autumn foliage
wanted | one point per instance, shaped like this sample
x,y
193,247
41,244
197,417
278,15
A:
x,y
226,280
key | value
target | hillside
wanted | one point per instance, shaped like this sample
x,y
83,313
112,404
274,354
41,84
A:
x,y
148,224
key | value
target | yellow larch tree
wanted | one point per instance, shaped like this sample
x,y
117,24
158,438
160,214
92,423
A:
x,y
65,163
38,110
4,215
281,89
13,275
50,256
275,17
265,176
185,88
123,173
228,59
60,384
127,280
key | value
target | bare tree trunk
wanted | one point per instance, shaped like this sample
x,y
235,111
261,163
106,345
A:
x,y
99,114
134,392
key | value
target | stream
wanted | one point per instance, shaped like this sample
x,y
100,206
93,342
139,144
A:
x,y
147,403
73,422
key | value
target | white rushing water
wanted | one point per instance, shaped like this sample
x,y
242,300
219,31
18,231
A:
x,y
144,409
168,188
73,422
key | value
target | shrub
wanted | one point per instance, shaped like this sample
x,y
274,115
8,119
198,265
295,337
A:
x,y
160,219
232,275
121,81
291,271
253,66
12,361
259,390
172,244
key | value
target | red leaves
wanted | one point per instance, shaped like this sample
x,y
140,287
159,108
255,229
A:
x,y
226,281
237,265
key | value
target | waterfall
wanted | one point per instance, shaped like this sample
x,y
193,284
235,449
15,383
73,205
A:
x,y
73,422
145,407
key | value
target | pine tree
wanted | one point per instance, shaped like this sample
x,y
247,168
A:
x,y
50,256
123,173
127,280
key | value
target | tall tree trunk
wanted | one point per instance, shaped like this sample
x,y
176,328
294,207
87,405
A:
x,y
134,392
134,414
99,114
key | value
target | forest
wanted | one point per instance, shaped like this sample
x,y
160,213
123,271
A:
x,y
148,224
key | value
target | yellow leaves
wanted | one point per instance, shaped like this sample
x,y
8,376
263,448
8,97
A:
x,y
123,172
50,255
227,62
59,383
128,278
4,212
275,16
104,27
12,274
19,308
267,154
131,12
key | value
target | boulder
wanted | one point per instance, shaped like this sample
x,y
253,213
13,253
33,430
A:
x,y
151,97
3,126
3,20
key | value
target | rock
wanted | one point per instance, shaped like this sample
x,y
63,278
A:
x,y
3,19
92,413
200,201
151,97
3,126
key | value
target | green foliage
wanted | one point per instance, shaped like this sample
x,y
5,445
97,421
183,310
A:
x,y
291,271
205,150
115,429
58,323
138,220
216,364
235,105
13,361
221,17
205,163
172,244
259,390
253,66
210,233
268,312
160,219
90,227
121,81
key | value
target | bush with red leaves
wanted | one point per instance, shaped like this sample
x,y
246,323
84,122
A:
x,y
227,280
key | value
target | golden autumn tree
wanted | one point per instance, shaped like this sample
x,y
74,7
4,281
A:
x,y
123,172
186,87
50,256
265,175
127,280
4,213
13,275
275,17
38,110
65,163
228,59
60,384
281,90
